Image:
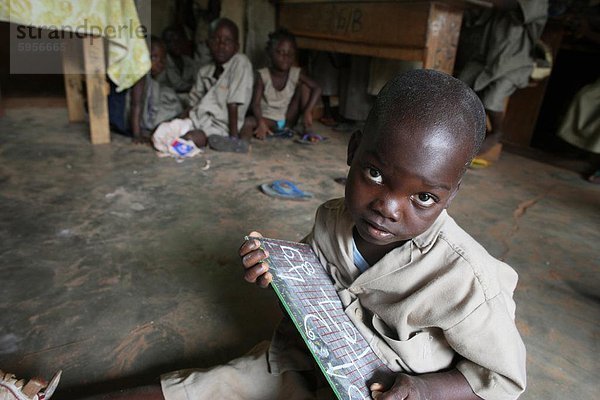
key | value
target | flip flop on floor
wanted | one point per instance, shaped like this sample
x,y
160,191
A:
x,y
478,163
284,133
311,138
228,144
284,189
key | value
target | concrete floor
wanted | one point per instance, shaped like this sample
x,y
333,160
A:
x,y
117,265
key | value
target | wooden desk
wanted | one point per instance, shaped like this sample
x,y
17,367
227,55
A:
x,y
91,53
128,55
417,30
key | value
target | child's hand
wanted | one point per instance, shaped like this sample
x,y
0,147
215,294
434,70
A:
x,y
262,130
450,385
255,269
405,387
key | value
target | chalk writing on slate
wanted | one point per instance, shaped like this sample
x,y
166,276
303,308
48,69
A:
x,y
307,293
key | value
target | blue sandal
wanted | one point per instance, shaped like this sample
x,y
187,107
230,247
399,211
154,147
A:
x,y
284,189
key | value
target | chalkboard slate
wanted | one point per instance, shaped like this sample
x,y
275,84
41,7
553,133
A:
x,y
307,293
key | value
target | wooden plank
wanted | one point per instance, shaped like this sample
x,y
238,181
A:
x,y
73,77
443,30
388,24
95,74
407,54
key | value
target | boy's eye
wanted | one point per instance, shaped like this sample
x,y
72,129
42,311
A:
x,y
425,199
374,175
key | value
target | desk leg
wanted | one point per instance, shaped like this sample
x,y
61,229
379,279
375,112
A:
x,y
442,38
95,73
72,69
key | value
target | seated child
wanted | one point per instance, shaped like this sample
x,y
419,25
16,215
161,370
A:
x,y
430,301
148,102
220,97
279,97
181,69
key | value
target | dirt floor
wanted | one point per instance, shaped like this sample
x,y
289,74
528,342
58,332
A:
x,y
118,265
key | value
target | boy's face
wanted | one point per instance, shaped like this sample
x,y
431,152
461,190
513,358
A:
x,y
223,44
283,55
401,179
158,58
175,44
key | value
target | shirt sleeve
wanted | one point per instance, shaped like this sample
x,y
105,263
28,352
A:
x,y
241,81
494,354
198,91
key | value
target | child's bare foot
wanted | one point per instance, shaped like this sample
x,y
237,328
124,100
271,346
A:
x,y
18,389
197,136
595,177
490,141
143,137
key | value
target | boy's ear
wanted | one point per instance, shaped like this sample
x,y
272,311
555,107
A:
x,y
453,195
353,146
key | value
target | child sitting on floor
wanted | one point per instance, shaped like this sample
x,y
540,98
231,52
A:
x,y
181,69
219,99
429,300
281,92
150,102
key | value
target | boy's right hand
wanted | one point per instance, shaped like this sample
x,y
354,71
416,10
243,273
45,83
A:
x,y
262,130
253,257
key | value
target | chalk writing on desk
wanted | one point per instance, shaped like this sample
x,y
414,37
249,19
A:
x,y
307,293
346,19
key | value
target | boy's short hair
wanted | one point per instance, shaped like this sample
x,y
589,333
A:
x,y
278,36
433,98
217,23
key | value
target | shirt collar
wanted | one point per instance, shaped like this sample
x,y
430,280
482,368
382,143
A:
x,y
428,238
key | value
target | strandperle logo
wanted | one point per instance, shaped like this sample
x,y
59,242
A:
x,y
85,29
46,34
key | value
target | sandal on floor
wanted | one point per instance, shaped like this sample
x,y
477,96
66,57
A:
x,y
284,133
478,163
341,180
284,189
228,144
311,138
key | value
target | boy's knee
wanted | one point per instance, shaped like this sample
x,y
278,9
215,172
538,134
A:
x,y
197,136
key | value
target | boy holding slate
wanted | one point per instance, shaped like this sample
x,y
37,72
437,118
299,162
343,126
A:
x,y
431,302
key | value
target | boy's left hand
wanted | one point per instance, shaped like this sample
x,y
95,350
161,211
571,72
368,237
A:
x,y
448,385
405,387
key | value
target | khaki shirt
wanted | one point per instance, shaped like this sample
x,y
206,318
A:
x,y
437,302
209,96
179,80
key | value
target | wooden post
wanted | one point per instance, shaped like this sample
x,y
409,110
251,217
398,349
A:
x,y
442,37
95,75
72,69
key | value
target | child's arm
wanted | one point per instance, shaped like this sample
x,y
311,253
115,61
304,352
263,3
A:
x,y
262,130
315,94
255,270
450,385
137,101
